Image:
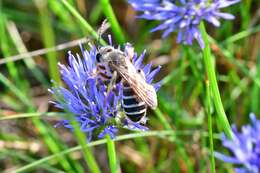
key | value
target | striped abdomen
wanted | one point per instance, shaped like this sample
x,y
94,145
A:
x,y
134,109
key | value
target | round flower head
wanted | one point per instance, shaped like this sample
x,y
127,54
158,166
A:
x,y
245,147
183,16
97,110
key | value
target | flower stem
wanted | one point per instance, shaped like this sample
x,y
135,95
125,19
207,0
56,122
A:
x,y
223,121
111,155
212,160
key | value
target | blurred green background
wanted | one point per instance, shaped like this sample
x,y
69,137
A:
x,y
47,30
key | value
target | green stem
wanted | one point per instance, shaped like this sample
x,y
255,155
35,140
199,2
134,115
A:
x,y
87,153
18,93
223,121
108,10
5,49
111,154
21,48
162,119
84,23
212,160
161,134
48,37
27,115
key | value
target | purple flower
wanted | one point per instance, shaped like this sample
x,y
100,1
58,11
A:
x,y
245,147
97,110
183,16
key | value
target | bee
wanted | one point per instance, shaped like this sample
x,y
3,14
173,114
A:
x,y
137,93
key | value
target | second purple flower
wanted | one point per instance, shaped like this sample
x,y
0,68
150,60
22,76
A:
x,y
183,16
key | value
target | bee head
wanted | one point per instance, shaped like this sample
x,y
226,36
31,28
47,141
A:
x,y
103,54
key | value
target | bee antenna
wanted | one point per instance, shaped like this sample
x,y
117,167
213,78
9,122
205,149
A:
x,y
102,29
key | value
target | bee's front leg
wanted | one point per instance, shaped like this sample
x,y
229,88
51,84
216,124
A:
x,y
112,82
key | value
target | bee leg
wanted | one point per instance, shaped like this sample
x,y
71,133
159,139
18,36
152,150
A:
x,y
143,120
112,82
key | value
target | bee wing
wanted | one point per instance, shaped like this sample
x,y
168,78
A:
x,y
144,91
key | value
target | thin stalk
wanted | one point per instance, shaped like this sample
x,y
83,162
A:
x,y
87,153
44,51
48,37
95,13
108,10
162,119
212,160
10,153
256,89
229,56
160,134
223,121
84,23
18,93
5,49
241,35
21,48
111,155
53,144
30,115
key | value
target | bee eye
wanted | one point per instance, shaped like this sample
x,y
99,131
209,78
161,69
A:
x,y
98,56
109,50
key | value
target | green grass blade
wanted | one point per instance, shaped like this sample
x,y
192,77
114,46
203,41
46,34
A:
x,y
111,151
84,23
52,144
39,52
5,48
229,56
223,121
108,10
241,35
163,120
30,115
29,62
62,146
160,134
48,38
256,89
19,94
208,106
64,16
245,13
87,153
13,153
95,13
